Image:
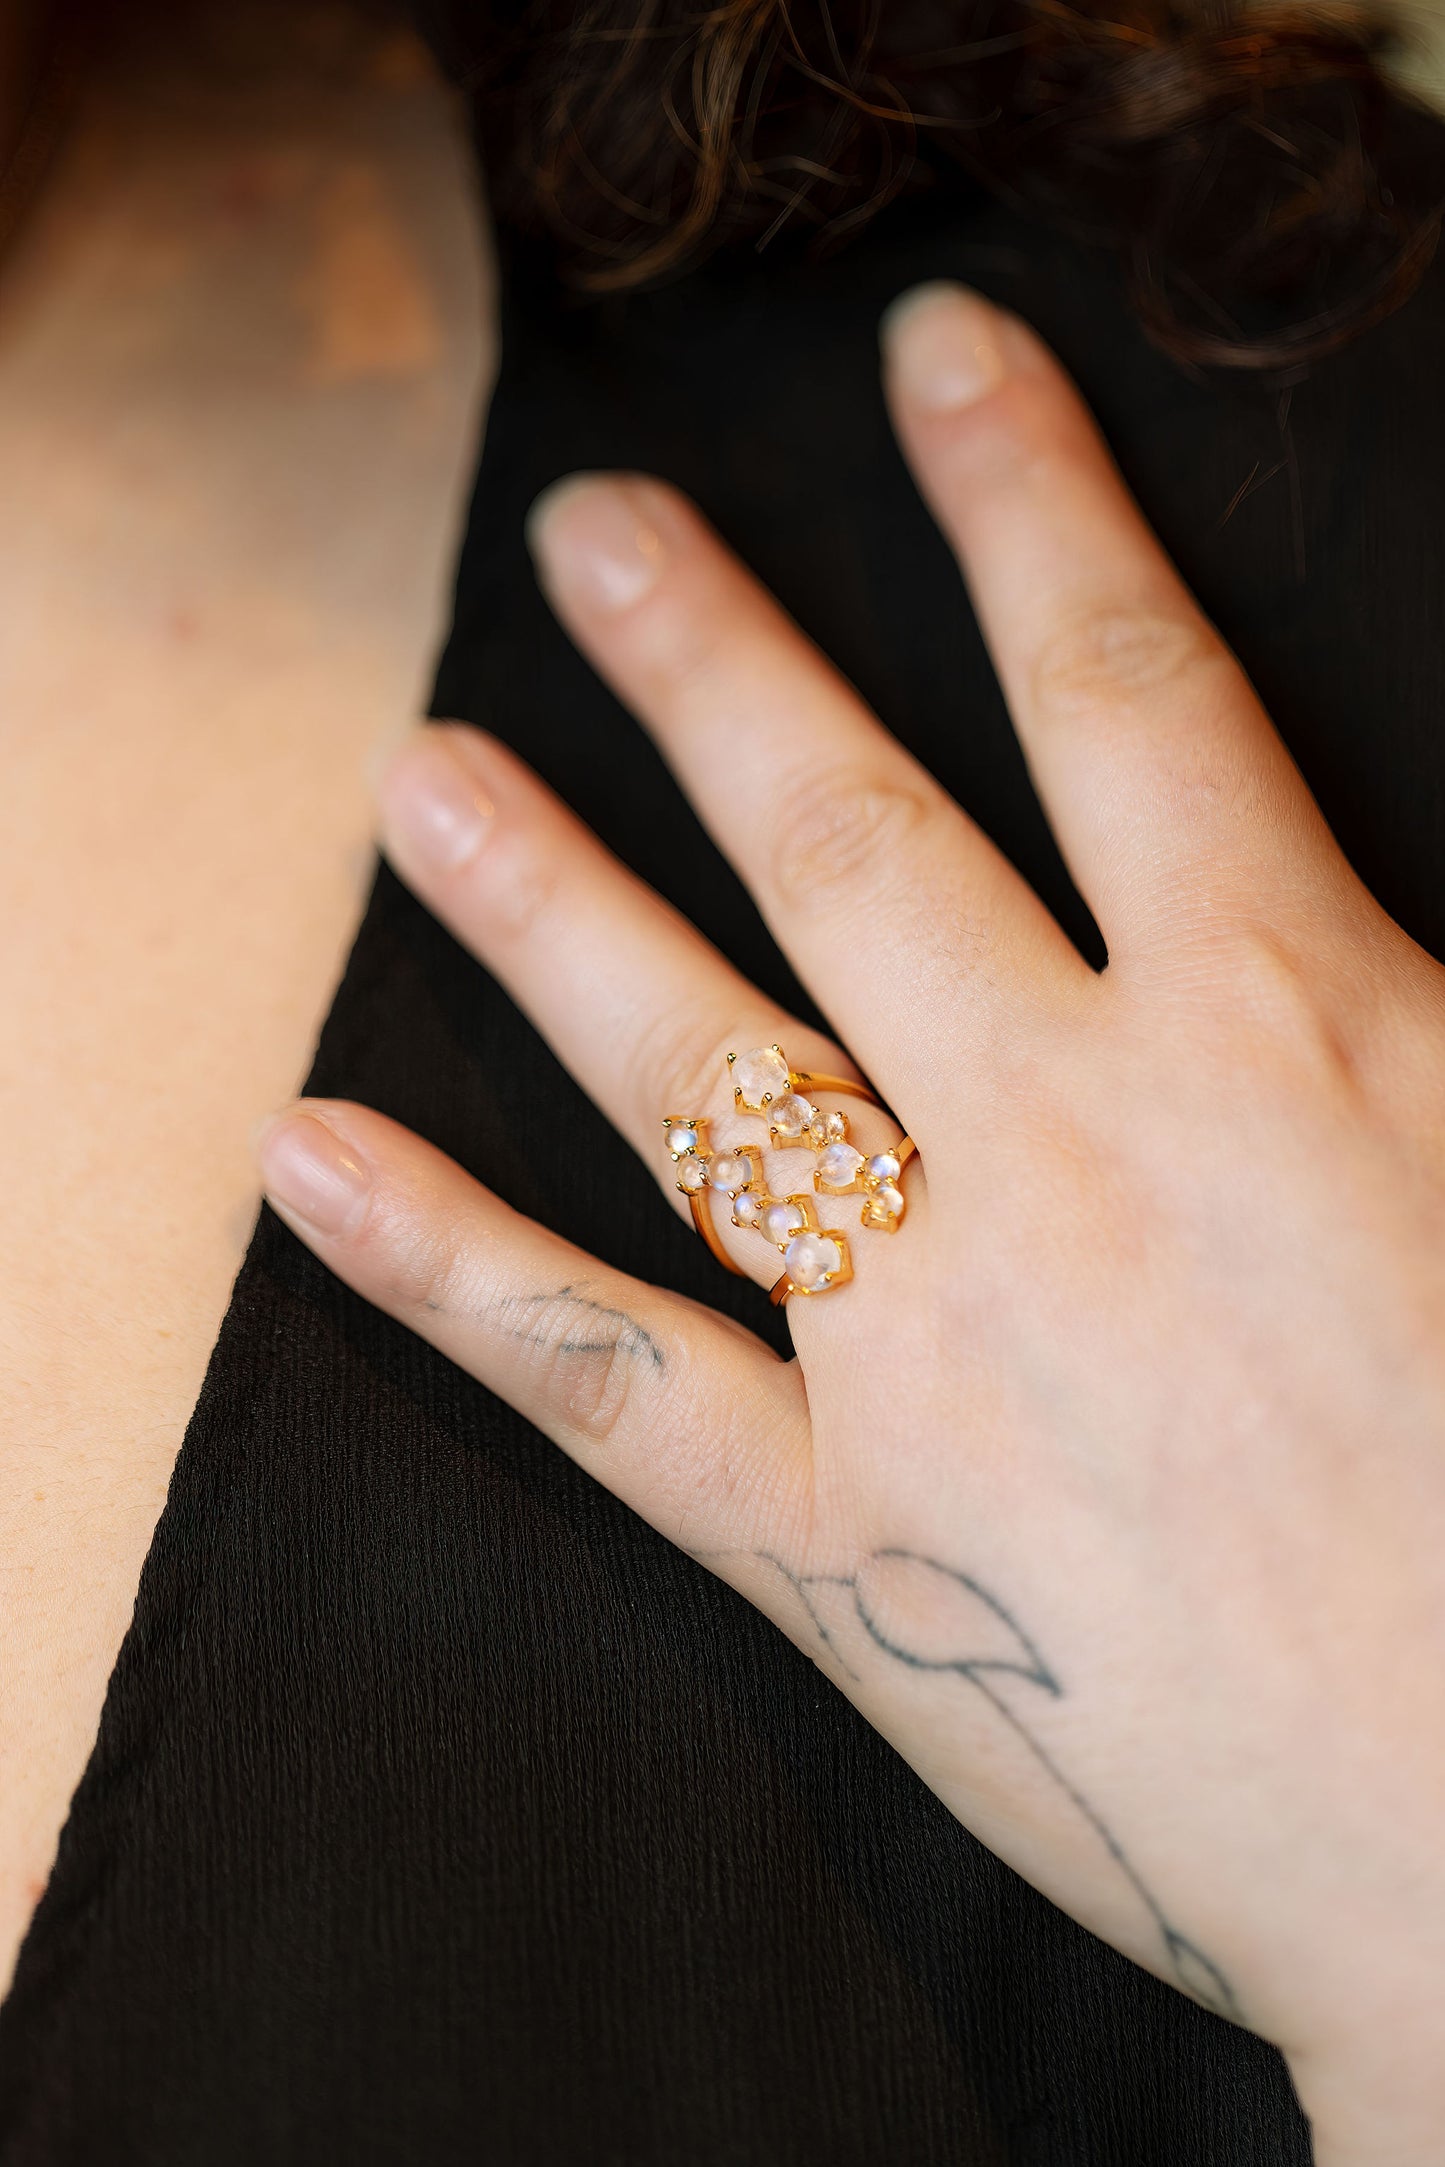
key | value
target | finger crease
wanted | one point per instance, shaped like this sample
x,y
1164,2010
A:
x,y
591,1333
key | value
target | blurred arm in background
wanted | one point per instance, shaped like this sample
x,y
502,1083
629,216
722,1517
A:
x,y
244,324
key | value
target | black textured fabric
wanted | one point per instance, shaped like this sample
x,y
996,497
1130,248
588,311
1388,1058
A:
x,y
441,1812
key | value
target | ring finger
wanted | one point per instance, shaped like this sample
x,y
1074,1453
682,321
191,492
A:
x,y
629,995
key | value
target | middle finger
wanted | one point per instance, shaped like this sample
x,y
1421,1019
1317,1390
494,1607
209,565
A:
x,y
888,899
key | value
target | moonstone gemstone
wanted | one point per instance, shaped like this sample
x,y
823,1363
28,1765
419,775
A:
x,y
836,1128
761,1074
883,1167
839,1165
779,1221
790,1115
730,1170
692,1173
681,1140
809,1259
746,1210
890,1196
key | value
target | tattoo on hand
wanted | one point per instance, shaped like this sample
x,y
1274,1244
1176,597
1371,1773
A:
x,y
982,1643
974,1637
595,1328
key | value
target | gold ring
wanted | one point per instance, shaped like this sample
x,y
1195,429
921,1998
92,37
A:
x,y
885,1208
694,1157
763,1083
816,1256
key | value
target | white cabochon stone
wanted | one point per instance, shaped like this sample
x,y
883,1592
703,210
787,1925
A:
x,y
790,1115
730,1170
761,1074
810,1257
681,1140
839,1165
692,1173
781,1220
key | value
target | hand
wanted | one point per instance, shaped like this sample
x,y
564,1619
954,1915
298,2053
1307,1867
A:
x,y
1111,1488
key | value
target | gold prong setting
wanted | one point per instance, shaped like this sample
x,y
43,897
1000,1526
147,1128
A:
x,y
842,1171
687,1140
815,1257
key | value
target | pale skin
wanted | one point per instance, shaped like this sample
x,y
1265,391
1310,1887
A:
x,y
1111,1488
244,340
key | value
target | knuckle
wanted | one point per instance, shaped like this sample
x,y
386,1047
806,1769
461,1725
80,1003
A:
x,y
423,1260
591,1389
518,878
1104,662
679,1064
595,1358
844,831
1276,992
1262,1015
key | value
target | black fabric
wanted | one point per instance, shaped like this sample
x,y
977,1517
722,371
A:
x,y
440,1810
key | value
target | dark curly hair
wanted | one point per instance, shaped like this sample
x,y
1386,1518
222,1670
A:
x,y
1270,193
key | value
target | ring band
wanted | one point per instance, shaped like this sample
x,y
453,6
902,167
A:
x,y
706,1225
808,1080
816,1256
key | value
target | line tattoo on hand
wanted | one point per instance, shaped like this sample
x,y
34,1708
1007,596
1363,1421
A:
x,y
980,1641
594,1327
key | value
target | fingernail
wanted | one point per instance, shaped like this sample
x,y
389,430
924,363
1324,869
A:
x,y
596,540
311,1173
433,804
944,346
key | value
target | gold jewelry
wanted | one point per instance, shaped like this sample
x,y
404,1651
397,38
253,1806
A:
x,y
816,1256
884,1208
846,1172
763,1083
693,1155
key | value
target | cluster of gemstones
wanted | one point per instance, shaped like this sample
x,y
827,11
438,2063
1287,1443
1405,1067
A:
x,y
814,1256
